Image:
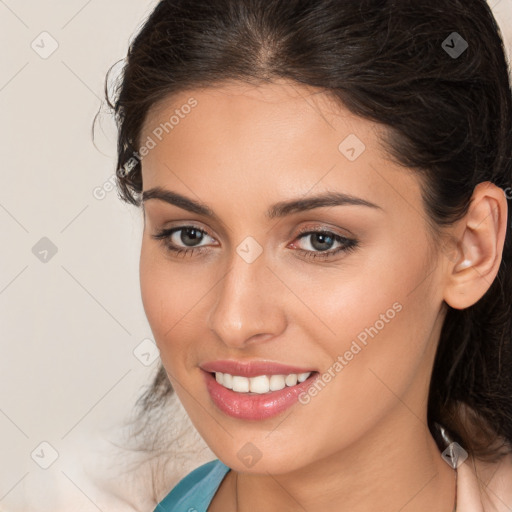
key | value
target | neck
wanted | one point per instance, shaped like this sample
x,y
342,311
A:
x,y
394,469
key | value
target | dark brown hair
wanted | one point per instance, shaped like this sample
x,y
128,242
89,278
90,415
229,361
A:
x,y
448,117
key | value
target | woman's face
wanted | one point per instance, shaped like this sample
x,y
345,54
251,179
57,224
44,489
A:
x,y
359,306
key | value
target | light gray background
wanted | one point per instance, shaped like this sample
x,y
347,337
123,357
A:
x,y
74,358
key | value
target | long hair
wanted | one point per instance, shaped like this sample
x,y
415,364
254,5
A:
x,y
434,74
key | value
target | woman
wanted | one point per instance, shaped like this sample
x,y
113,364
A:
x,y
326,258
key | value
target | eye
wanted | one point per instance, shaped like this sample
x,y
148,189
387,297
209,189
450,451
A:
x,y
321,241
184,240
189,236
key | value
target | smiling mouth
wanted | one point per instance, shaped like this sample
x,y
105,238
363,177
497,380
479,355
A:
x,y
260,384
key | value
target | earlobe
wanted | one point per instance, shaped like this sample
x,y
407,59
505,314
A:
x,y
481,243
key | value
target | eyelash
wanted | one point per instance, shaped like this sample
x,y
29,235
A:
x,y
348,244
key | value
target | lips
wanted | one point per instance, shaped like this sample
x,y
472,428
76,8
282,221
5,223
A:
x,y
254,406
252,368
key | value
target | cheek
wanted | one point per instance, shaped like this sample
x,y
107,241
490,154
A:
x,y
152,286
382,318
173,295
360,300
162,293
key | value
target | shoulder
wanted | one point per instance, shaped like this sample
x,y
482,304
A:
x,y
485,486
496,479
195,491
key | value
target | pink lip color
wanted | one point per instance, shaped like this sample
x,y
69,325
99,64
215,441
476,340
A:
x,y
252,369
252,406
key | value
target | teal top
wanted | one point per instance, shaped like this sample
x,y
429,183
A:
x,y
195,491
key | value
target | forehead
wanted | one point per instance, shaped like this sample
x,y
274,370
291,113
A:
x,y
283,106
281,136
239,111
279,92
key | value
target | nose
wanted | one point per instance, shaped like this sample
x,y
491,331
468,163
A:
x,y
248,304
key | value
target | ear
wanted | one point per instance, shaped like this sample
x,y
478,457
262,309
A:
x,y
481,238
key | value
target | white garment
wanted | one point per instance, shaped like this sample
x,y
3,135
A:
x,y
485,487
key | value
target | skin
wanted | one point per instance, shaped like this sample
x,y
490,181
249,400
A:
x,y
362,443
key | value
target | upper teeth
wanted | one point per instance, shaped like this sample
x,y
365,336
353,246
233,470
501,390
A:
x,y
259,384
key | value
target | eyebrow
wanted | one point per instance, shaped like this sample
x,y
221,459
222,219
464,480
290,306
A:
x,y
280,209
